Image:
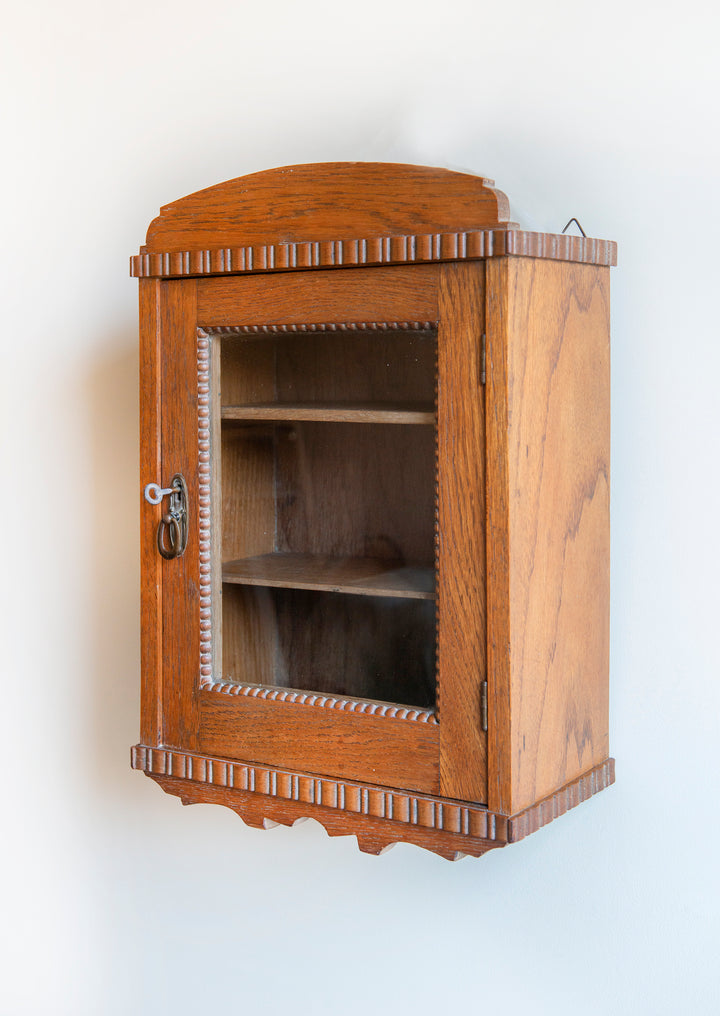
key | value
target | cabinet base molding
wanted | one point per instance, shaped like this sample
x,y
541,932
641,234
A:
x,y
569,796
377,816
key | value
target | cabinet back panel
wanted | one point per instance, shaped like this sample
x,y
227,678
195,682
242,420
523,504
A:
x,y
247,369
357,646
381,367
331,367
380,648
346,490
358,490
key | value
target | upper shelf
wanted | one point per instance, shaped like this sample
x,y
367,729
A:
x,y
415,413
363,576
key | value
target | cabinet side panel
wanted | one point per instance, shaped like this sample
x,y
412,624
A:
x,y
498,559
150,571
461,533
181,576
558,510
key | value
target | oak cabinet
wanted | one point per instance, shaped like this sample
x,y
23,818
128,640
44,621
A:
x,y
374,454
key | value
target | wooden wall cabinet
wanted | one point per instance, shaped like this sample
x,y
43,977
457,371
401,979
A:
x,y
390,409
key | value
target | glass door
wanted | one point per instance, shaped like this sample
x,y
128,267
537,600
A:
x,y
328,614
327,491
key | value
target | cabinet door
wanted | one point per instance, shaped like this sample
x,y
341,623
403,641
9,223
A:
x,y
327,615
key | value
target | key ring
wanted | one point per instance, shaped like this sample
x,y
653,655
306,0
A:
x,y
172,530
171,523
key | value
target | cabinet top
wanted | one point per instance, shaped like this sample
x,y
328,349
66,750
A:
x,y
344,214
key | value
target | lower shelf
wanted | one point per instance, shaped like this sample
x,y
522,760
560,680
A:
x,y
288,622
363,576
378,817
340,412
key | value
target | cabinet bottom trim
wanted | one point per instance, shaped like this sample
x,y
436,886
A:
x,y
377,816
374,835
569,796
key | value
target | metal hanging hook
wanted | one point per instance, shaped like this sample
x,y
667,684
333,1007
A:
x,y
577,224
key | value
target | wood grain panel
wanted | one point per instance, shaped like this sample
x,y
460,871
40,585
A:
x,y
379,648
150,472
248,491
247,369
393,753
378,294
383,366
181,576
356,490
250,635
358,646
304,203
497,549
557,418
461,533
381,375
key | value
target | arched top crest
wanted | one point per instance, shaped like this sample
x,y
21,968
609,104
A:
x,y
328,201
344,214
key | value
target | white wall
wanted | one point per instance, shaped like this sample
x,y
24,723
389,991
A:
x,y
116,899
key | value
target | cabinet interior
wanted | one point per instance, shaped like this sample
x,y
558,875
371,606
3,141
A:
x,y
326,488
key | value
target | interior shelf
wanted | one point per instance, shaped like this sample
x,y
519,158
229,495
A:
x,y
337,412
362,576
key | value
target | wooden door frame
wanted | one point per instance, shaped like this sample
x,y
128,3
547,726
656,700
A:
x,y
171,313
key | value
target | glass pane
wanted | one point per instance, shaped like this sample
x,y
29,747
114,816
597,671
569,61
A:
x,y
326,479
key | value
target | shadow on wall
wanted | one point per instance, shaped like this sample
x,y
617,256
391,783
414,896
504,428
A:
x,y
113,696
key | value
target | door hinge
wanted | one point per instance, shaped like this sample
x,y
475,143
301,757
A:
x,y
483,706
483,344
